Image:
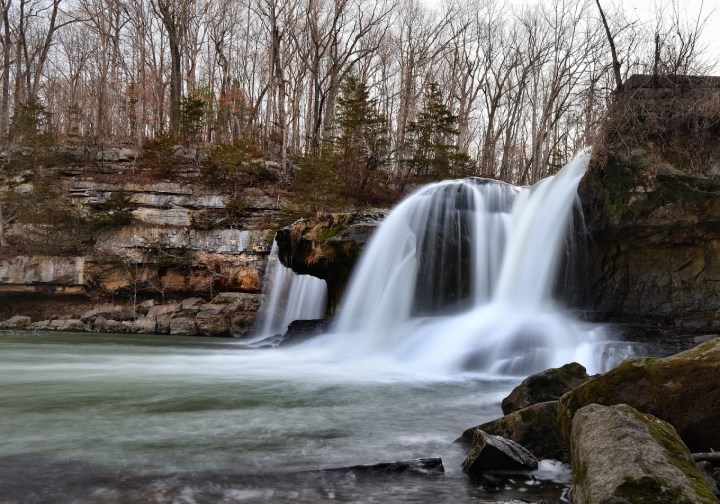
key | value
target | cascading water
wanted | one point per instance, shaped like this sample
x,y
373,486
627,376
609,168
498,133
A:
x,y
459,278
289,297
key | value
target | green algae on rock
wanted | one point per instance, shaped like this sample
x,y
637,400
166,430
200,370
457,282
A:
x,y
620,455
682,389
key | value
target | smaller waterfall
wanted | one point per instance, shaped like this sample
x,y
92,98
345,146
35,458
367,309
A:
x,y
290,297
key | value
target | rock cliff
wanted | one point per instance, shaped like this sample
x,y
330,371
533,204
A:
x,y
651,206
178,242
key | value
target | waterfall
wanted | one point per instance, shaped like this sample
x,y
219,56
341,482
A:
x,y
290,297
459,278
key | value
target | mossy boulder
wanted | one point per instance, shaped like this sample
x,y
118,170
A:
x,y
683,389
620,456
534,427
327,246
548,385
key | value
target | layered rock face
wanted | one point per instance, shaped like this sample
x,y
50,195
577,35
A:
x,y
179,244
327,247
651,207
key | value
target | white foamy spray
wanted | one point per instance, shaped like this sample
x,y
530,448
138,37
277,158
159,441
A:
x,y
459,278
290,297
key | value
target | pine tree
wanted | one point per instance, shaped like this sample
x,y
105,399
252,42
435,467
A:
x,y
362,146
432,141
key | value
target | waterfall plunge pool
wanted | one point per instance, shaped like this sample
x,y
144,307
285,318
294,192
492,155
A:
x,y
129,418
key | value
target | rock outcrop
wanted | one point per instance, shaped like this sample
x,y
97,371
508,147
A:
x,y
651,207
327,247
622,456
682,390
177,238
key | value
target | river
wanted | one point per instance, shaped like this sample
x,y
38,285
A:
x,y
131,418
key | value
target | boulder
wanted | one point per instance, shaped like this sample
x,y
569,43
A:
x,y
490,453
41,325
103,325
191,303
145,325
682,389
166,309
238,301
620,455
110,312
183,326
212,324
69,325
534,427
548,385
17,322
162,324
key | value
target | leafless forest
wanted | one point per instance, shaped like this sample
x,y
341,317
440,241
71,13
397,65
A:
x,y
525,83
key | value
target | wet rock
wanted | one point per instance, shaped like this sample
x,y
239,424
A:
x,y
421,466
327,247
183,326
548,385
16,322
682,389
302,330
708,470
620,455
68,325
534,427
490,453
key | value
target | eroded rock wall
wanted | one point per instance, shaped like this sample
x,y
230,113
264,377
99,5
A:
x,y
651,200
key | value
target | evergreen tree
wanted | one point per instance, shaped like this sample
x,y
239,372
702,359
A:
x,y
433,141
362,146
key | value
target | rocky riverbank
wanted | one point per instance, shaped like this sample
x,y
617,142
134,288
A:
x,y
628,433
226,315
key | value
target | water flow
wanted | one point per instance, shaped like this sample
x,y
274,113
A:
x,y
290,297
459,278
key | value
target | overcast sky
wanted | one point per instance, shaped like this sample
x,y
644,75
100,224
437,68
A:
x,y
643,11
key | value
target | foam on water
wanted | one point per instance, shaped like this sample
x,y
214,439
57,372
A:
x,y
458,279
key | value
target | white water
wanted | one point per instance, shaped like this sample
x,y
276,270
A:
x,y
459,277
290,297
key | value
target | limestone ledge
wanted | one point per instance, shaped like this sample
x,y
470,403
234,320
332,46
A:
x,y
228,314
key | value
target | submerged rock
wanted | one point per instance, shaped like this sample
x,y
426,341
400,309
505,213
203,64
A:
x,y
490,453
548,385
534,427
620,455
421,466
682,389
